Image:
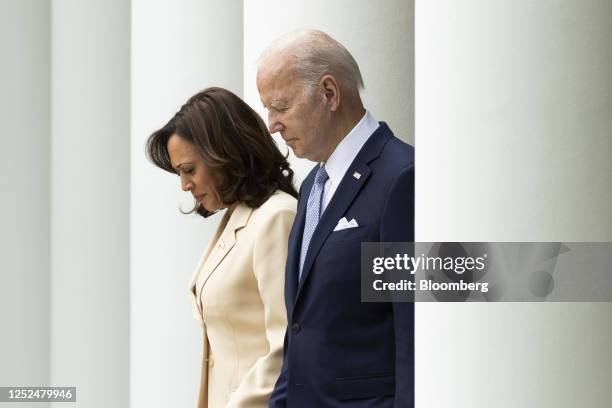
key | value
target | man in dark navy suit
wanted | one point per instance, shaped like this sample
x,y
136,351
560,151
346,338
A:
x,y
339,351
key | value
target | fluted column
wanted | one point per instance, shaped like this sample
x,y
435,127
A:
x,y
89,200
24,182
178,49
513,126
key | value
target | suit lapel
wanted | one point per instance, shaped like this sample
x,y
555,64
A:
x,y
295,241
197,311
222,245
346,192
343,197
209,247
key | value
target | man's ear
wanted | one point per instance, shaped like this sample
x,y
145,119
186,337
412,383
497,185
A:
x,y
331,92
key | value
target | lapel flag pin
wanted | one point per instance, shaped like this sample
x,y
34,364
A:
x,y
357,175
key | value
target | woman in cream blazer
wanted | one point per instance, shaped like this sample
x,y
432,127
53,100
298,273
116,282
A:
x,y
237,290
226,158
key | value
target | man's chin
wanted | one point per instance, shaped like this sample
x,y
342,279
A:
x,y
297,152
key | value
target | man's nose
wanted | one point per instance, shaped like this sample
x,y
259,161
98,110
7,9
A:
x,y
273,124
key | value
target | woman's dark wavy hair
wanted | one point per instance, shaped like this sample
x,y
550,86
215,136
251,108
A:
x,y
234,144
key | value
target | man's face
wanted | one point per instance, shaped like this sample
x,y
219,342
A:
x,y
301,118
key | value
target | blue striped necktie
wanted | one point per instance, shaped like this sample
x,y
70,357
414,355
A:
x,y
313,212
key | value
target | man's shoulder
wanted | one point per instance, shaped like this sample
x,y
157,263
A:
x,y
396,154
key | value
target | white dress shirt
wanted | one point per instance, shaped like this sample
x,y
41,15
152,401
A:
x,y
344,154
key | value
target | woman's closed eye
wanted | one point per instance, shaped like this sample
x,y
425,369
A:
x,y
187,171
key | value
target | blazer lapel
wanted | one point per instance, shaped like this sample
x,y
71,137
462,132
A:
x,y
209,247
221,246
346,192
197,311
294,246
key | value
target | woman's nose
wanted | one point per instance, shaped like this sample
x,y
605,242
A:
x,y
186,185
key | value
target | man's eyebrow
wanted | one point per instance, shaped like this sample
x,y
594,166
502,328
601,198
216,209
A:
x,y
278,104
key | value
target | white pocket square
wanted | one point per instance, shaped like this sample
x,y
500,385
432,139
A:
x,y
343,223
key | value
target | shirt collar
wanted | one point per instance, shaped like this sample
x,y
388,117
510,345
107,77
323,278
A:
x,y
348,148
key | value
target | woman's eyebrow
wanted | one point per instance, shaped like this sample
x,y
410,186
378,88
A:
x,y
178,166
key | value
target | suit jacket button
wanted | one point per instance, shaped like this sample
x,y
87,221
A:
x,y
295,327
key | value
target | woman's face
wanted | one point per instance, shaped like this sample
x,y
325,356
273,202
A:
x,y
195,176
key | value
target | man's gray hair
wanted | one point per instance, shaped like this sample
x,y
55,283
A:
x,y
316,54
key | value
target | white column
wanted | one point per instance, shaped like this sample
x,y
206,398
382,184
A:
x,y
378,35
513,126
24,182
89,203
178,49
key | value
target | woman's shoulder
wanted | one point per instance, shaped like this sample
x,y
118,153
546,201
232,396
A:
x,y
278,202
